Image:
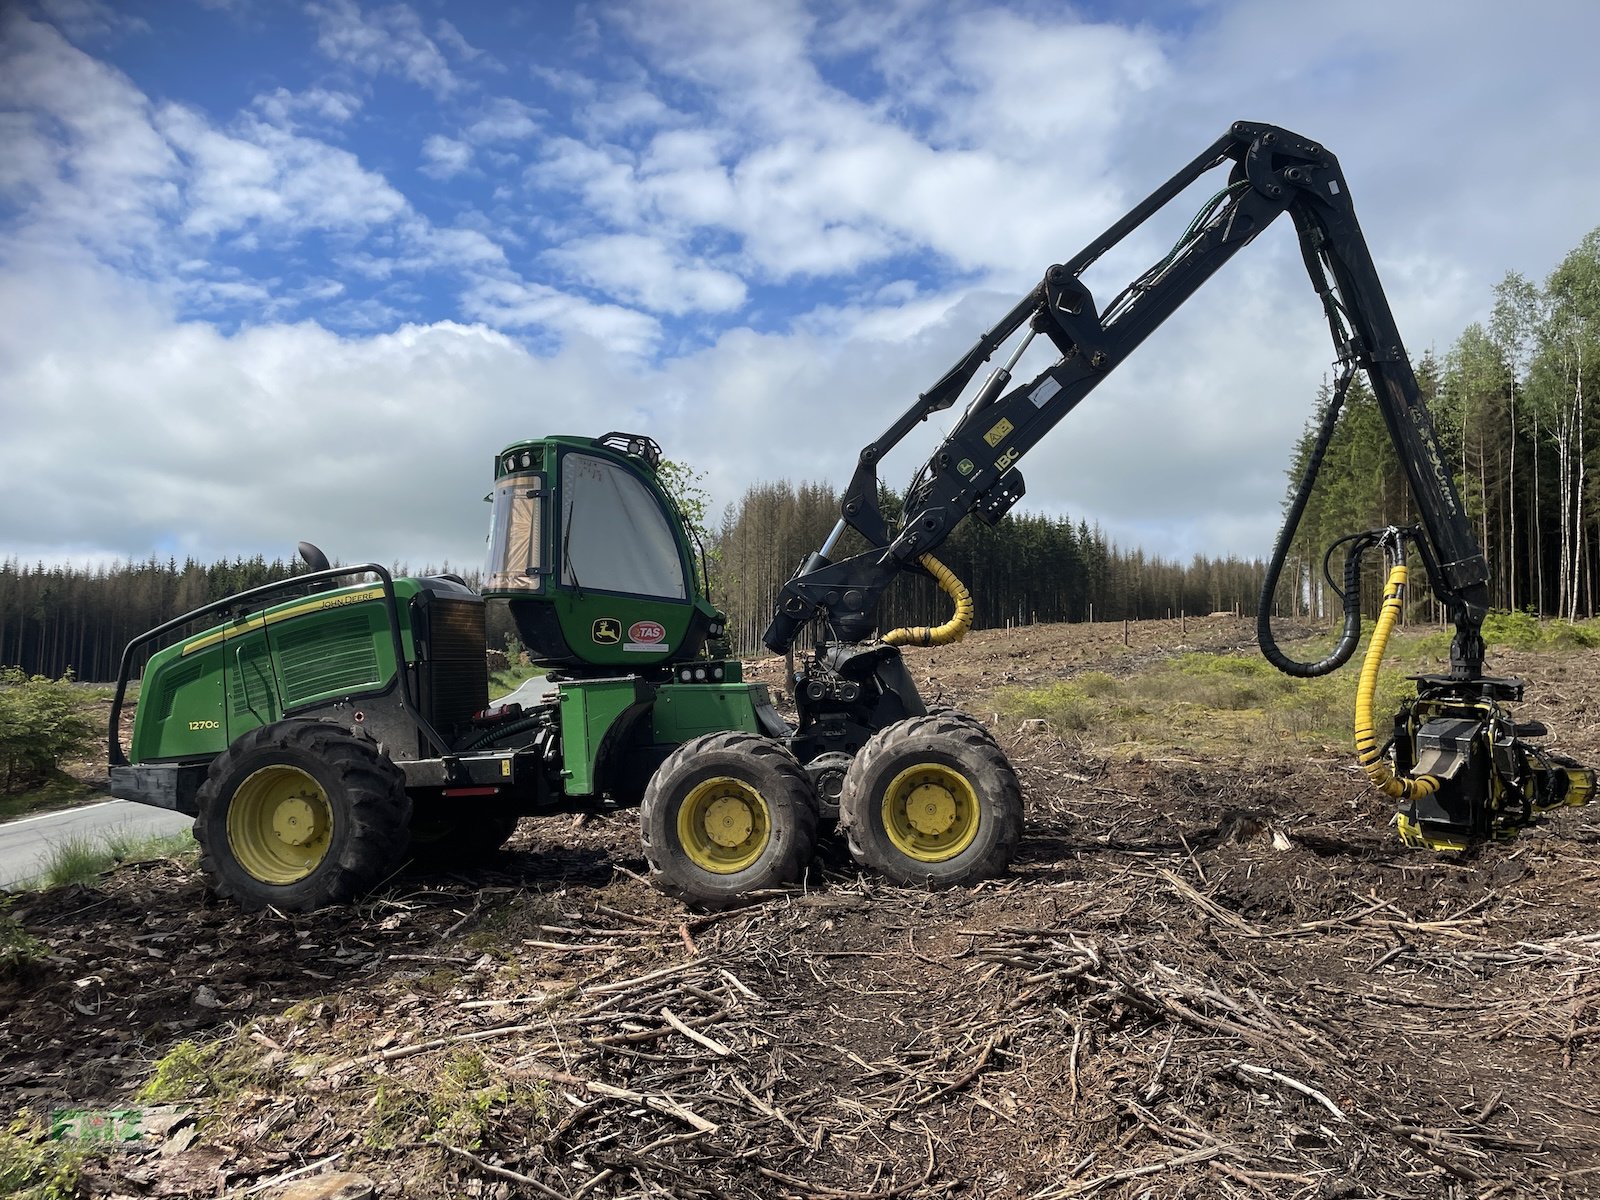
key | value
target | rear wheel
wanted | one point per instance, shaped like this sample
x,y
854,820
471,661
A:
x,y
299,815
727,814
932,800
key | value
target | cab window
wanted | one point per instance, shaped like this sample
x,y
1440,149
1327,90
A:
x,y
614,535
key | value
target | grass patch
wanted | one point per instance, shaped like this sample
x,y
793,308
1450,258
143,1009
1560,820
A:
x,y
1202,702
34,1167
503,683
83,860
1522,631
19,949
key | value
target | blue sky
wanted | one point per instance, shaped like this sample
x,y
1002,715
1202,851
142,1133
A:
x,y
272,271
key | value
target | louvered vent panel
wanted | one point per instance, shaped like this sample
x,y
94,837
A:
x,y
332,655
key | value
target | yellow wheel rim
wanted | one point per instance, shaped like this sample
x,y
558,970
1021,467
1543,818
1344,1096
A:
x,y
930,812
724,825
280,824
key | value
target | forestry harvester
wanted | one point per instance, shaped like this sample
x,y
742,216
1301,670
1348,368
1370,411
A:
x,y
323,728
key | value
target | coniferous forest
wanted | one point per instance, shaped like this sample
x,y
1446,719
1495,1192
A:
x,y
1511,402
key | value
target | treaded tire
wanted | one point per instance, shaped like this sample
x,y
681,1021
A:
x,y
748,766
971,776
368,808
950,712
460,838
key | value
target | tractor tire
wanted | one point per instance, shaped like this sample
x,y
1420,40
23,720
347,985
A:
x,y
932,800
950,712
448,834
727,814
300,815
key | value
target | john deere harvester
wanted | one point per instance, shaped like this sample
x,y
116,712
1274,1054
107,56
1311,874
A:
x,y
323,729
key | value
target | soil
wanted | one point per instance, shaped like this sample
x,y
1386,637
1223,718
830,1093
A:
x,y
1196,981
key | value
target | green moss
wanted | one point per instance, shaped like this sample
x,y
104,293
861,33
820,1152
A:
x,y
455,1103
215,1070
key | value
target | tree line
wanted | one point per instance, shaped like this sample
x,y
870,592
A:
x,y
1029,568
1512,405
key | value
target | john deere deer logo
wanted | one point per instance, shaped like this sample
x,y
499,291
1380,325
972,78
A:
x,y
607,631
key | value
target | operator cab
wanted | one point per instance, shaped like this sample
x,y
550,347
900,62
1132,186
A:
x,y
593,557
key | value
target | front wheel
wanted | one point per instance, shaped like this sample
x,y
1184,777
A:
x,y
726,814
300,815
932,800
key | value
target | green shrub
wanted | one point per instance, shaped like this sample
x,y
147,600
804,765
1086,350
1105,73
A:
x,y
32,1167
42,721
19,949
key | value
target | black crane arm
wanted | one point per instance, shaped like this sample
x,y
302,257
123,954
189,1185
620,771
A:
x,y
974,470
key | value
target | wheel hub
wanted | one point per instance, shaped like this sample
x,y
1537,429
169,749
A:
x,y
280,824
930,812
728,821
931,809
294,821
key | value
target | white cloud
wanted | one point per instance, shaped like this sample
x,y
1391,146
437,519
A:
x,y
83,160
286,108
503,120
513,304
84,20
646,272
265,174
444,157
386,40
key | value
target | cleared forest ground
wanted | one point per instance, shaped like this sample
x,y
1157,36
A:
x,y
1200,979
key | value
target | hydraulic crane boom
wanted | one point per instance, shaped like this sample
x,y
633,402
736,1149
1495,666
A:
x,y
974,470
1460,762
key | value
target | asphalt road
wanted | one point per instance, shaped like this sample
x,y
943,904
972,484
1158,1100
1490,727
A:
x,y
26,844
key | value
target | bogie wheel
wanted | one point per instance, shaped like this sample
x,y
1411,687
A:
x,y
726,814
932,800
448,833
299,815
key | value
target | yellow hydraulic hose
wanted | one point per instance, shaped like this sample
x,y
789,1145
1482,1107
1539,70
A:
x,y
952,630
1367,752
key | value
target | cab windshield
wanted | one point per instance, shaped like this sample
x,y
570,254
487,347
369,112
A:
x,y
614,535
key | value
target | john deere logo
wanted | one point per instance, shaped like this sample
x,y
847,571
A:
x,y
965,466
607,631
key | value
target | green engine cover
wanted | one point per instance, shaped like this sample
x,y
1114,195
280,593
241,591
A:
x,y
200,694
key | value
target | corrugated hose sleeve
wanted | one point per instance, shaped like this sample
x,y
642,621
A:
x,y
952,630
1368,753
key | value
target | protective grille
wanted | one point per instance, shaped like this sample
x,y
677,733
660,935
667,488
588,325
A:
x,y
334,655
458,671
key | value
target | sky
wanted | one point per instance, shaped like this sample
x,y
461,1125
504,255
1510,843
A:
x,y
273,271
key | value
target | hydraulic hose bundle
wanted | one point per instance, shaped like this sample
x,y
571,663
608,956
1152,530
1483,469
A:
x,y
1350,594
